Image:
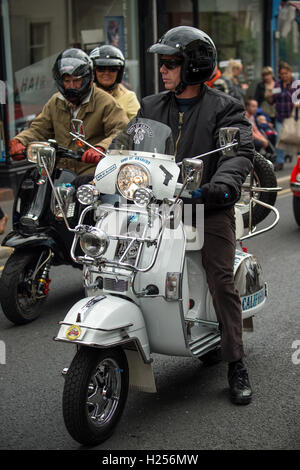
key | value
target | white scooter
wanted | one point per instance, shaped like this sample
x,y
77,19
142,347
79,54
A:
x,y
146,289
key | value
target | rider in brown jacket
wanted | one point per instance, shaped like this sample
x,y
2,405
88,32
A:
x,y
77,98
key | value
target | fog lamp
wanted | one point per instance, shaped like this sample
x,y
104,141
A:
x,y
87,194
94,242
142,197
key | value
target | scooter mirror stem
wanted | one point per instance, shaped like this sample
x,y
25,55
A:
x,y
76,137
56,196
234,144
184,185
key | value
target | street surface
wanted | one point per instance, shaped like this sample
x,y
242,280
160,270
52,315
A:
x,y
191,409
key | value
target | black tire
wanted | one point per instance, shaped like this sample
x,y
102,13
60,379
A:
x,y
296,209
263,176
18,296
84,380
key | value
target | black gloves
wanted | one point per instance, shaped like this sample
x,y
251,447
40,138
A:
x,y
216,193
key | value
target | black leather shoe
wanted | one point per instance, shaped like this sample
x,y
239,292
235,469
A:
x,y
240,389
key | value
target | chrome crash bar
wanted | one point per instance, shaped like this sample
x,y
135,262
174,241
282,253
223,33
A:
x,y
256,189
141,240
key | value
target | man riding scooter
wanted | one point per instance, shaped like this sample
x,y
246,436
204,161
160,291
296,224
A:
x,y
39,237
195,114
77,97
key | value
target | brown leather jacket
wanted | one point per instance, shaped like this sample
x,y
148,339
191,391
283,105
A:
x,y
103,119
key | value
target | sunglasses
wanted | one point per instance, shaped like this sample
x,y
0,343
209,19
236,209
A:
x,y
170,64
102,68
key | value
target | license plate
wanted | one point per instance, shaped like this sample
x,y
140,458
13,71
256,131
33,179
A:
x,y
252,300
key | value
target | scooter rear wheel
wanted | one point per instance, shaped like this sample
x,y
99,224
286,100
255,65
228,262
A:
x,y
18,294
95,393
264,177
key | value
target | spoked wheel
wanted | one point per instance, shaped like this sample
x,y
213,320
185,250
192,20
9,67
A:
x,y
264,177
95,393
22,291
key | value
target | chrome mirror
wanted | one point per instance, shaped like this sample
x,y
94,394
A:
x,y
77,127
192,171
229,137
42,154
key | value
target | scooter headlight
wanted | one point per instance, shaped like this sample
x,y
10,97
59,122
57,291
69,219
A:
x,y
34,149
130,178
94,242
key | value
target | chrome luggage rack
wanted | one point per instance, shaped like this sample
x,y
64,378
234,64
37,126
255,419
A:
x,y
254,189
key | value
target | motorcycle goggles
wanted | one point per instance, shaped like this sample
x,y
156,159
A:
x,y
170,64
109,68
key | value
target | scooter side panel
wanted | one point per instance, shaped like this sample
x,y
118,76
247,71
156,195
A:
x,y
165,318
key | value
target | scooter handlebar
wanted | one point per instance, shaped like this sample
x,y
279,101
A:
x,y
66,153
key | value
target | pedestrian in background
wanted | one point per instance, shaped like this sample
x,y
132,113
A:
x,y
282,99
260,141
231,75
264,92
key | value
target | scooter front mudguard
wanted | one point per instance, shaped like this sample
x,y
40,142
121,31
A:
x,y
105,321
16,240
19,242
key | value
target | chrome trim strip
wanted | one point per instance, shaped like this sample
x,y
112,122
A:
x,y
111,345
96,329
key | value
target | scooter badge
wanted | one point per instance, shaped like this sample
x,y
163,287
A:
x,y
73,332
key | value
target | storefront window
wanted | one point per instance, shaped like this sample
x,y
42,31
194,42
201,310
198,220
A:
x,y
39,31
236,27
177,13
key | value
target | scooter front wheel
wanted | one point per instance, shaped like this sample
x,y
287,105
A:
x,y
21,290
95,393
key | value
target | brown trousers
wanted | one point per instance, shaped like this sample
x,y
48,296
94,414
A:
x,y
218,254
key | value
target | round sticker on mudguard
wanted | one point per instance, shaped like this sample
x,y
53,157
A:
x,y
73,332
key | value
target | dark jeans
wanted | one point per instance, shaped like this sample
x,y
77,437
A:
x,y
218,255
1,213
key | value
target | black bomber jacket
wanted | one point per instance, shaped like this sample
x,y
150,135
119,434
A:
x,y
198,133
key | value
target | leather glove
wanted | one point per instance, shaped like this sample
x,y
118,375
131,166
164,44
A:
x,y
16,150
91,156
197,194
215,193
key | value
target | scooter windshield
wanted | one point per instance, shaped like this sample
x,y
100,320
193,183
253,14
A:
x,y
145,135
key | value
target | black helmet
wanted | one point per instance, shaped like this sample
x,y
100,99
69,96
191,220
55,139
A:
x,y
195,47
73,62
109,55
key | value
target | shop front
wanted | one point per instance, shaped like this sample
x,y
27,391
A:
x,y
34,33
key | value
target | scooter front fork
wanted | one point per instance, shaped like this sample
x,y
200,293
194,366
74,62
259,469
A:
x,y
43,282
